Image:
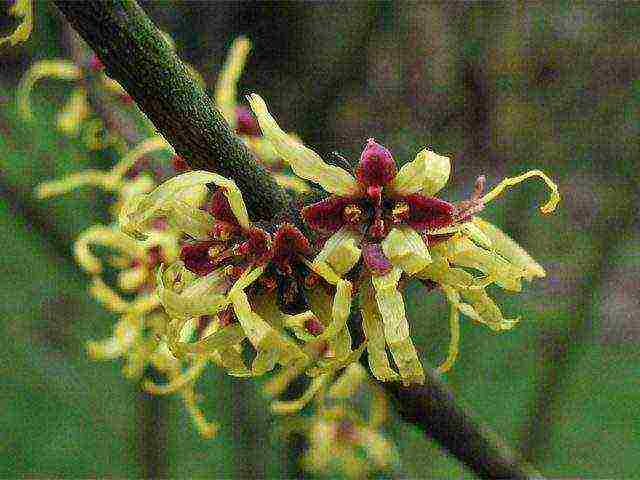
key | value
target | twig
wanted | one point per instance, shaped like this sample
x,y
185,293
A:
x,y
136,55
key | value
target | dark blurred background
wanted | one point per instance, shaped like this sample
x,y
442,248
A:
x,y
501,88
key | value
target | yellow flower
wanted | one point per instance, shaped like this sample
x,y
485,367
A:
x,y
136,334
340,439
225,273
382,222
24,10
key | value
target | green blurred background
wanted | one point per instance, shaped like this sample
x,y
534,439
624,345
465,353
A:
x,y
501,88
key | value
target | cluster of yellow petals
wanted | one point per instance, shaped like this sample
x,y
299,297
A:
x,y
472,244
343,435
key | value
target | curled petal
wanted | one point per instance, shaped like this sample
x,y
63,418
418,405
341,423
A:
x,y
338,363
106,237
73,181
554,196
219,340
271,346
59,69
428,213
290,182
225,93
340,307
348,383
454,323
293,406
179,382
406,249
74,112
502,244
303,161
140,211
204,296
426,174
206,428
479,306
108,297
506,275
132,278
125,333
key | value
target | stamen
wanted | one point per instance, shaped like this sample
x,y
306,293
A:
x,y
554,197
400,212
352,214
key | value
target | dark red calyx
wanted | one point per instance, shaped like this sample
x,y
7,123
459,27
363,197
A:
x,y
375,260
246,123
258,246
428,213
197,259
219,207
288,243
314,326
326,215
377,166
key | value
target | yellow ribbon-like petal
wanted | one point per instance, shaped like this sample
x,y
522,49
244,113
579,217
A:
x,y
304,162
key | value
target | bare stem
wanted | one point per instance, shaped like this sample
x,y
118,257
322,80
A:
x,y
136,55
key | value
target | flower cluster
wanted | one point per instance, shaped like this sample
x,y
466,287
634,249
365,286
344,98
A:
x,y
380,226
341,439
143,322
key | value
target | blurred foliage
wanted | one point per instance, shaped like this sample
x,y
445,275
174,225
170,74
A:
x,y
502,88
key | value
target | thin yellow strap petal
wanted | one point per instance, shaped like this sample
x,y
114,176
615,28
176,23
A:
x,y
75,111
226,92
179,382
454,322
107,296
56,68
143,148
107,237
373,330
293,406
509,249
303,161
554,197
206,428
73,181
